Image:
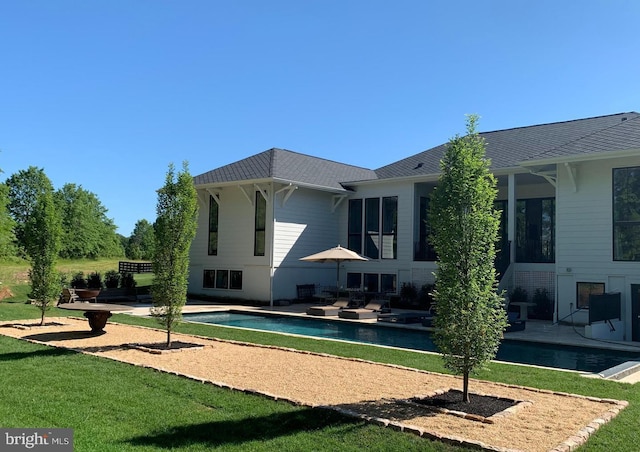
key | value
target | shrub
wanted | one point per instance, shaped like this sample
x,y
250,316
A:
x,y
517,295
112,279
543,309
425,296
408,292
94,280
78,281
127,281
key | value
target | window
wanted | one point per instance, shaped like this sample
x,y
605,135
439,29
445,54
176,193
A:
x,y
535,230
372,227
388,283
209,279
424,250
213,226
354,281
371,282
355,225
389,227
374,234
222,279
236,280
626,214
260,225
585,290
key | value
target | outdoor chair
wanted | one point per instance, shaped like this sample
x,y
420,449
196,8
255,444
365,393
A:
x,y
68,296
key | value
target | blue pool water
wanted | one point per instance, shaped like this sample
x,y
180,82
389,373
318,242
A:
x,y
540,354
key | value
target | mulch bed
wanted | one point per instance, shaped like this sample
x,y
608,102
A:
x,y
479,405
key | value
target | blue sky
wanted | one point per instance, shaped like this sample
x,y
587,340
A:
x,y
107,93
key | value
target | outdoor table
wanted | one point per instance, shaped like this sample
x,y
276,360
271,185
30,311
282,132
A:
x,y
96,313
524,308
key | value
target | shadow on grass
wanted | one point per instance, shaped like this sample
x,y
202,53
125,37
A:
x,y
49,352
263,428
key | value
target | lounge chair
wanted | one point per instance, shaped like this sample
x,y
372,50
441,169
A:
x,y
329,310
370,311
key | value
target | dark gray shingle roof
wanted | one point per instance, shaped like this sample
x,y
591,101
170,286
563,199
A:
x,y
288,166
508,148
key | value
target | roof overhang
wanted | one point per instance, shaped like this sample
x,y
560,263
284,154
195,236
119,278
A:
x,y
580,158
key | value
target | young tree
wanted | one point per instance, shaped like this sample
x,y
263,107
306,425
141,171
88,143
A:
x,y
175,228
42,239
469,319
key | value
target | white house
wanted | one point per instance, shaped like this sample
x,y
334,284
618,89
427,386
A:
x,y
572,187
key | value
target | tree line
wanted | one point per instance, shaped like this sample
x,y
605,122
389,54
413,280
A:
x,y
86,230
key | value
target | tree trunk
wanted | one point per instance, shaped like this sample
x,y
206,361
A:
x,y
465,387
168,337
42,318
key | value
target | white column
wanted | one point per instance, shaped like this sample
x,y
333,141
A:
x,y
511,216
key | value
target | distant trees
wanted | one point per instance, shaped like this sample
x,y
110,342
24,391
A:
x,y
87,231
42,232
141,244
25,187
469,319
7,236
175,228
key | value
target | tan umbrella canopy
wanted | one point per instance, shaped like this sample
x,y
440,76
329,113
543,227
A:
x,y
337,255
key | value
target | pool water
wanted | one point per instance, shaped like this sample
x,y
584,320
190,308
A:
x,y
549,355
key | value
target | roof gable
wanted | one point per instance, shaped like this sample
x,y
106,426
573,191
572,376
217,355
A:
x,y
288,166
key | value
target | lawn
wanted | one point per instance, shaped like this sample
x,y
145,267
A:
x,y
115,406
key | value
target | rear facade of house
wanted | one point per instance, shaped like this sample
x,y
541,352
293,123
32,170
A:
x,y
569,193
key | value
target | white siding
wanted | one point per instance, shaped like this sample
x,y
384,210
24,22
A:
x,y
584,235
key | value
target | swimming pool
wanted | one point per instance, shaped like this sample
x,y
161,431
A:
x,y
549,355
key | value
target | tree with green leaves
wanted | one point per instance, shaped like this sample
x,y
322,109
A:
x,y
175,228
42,232
7,236
87,231
25,187
469,319
142,242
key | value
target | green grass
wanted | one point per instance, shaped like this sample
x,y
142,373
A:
x,y
141,409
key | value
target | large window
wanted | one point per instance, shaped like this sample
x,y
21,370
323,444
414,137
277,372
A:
x,y
626,214
374,234
213,226
355,225
372,227
423,250
535,230
260,225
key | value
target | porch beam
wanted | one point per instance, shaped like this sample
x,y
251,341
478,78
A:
x,y
215,195
246,195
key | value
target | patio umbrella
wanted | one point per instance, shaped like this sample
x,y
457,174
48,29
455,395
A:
x,y
337,255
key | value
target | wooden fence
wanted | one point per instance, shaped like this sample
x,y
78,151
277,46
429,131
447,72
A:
x,y
135,267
